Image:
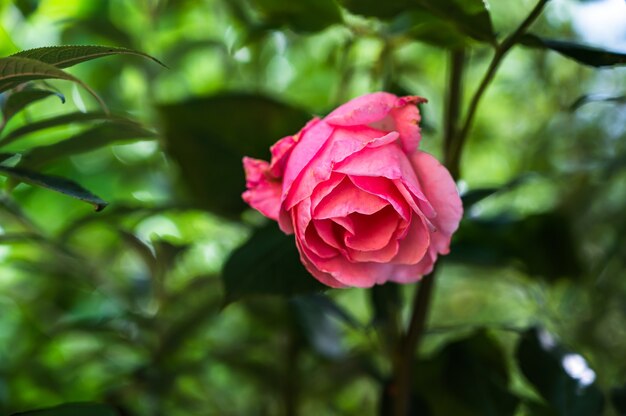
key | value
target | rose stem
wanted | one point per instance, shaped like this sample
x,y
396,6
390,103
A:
x,y
407,346
453,162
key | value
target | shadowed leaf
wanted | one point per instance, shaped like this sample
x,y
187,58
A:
x,y
54,183
267,264
545,364
586,55
72,409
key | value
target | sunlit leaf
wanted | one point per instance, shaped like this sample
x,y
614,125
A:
x,y
54,183
17,70
77,117
549,367
587,55
267,264
72,409
88,140
208,138
66,56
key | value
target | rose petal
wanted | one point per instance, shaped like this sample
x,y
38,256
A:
x,y
280,152
373,232
309,142
346,199
317,244
341,144
362,110
383,255
389,162
325,278
415,245
407,118
262,194
440,189
413,273
385,189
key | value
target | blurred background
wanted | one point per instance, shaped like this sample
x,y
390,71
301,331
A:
x,y
127,306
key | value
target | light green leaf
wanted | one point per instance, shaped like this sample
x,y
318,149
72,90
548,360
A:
x,y
63,119
86,141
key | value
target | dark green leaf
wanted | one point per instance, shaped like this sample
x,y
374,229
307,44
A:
x,y
302,15
587,55
318,325
64,119
54,183
596,98
542,244
424,26
17,70
27,7
73,409
91,139
618,399
66,56
267,264
542,362
19,100
208,138
467,378
467,17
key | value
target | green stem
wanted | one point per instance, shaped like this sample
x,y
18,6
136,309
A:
x,y
454,101
453,161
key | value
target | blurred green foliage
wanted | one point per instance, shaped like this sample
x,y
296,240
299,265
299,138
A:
x,y
126,307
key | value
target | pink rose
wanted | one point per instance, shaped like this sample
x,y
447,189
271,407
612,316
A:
x,y
366,205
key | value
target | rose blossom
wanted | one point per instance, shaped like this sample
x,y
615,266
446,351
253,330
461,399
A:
x,y
365,205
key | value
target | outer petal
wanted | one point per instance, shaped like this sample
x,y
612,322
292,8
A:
x,y
309,142
363,110
263,192
440,190
280,152
406,116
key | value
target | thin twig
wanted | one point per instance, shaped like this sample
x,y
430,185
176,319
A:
x,y
500,53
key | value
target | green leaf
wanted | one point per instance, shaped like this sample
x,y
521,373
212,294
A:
x,y
19,100
302,15
541,244
94,138
543,363
597,98
267,264
586,55
424,26
54,183
63,119
468,17
66,56
73,409
208,138
315,317
468,377
618,399
17,70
